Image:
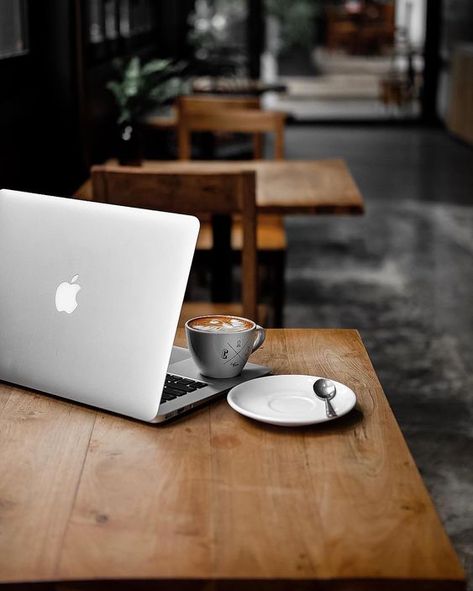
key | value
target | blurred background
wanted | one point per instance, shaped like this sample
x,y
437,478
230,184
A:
x,y
347,61
386,85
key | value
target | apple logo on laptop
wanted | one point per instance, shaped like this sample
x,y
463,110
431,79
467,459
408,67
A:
x,y
66,294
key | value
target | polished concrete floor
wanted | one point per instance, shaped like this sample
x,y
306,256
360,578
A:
x,y
403,275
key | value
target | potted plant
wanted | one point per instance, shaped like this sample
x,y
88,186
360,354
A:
x,y
137,88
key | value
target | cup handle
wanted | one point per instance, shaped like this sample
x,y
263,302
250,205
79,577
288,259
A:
x,y
260,336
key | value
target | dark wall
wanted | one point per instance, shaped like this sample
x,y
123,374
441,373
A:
x,y
173,27
17,124
432,62
256,36
56,117
39,148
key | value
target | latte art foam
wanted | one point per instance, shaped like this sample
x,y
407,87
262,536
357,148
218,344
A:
x,y
220,324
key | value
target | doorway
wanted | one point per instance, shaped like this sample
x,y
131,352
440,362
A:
x,y
346,59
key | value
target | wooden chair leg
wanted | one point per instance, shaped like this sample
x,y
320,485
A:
x,y
279,140
258,146
221,287
279,288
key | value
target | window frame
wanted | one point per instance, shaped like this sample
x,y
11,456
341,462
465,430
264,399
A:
x,y
120,47
25,29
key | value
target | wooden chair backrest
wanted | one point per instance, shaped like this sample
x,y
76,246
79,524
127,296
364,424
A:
x,y
211,114
190,193
206,103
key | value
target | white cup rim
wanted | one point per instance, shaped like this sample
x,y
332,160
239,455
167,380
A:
x,y
219,316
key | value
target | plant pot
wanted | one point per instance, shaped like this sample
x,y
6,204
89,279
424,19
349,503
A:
x,y
130,144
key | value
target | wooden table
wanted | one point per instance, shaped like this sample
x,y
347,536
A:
x,y
217,501
283,187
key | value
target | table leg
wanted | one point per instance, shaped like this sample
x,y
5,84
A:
x,y
221,283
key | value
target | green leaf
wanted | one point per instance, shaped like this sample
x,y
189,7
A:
x,y
154,66
140,87
132,70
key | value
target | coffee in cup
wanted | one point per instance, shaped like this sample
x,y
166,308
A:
x,y
221,344
222,323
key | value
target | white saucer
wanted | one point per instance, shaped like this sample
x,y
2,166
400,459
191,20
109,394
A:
x,y
288,400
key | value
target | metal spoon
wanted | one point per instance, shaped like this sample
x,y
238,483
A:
x,y
325,390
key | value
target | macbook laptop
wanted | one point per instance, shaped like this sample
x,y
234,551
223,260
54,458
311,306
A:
x,y
90,298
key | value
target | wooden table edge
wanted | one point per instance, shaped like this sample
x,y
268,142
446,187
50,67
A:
x,y
222,584
84,192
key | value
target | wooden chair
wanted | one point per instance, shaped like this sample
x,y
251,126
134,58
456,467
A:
x,y
196,106
211,114
192,193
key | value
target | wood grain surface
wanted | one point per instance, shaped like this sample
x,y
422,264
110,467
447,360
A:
x,y
282,187
218,501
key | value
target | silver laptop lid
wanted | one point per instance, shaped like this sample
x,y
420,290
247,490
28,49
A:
x,y
90,297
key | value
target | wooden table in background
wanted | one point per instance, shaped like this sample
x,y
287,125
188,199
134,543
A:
x,y
218,501
283,187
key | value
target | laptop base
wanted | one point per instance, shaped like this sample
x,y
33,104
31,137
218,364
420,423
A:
x,y
182,364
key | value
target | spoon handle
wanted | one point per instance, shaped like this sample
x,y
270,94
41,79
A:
x,y
329,409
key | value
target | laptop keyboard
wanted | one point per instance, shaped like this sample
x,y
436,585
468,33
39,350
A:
x,y
176,386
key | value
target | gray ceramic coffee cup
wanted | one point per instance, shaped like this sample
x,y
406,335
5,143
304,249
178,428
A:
x,y
223,354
